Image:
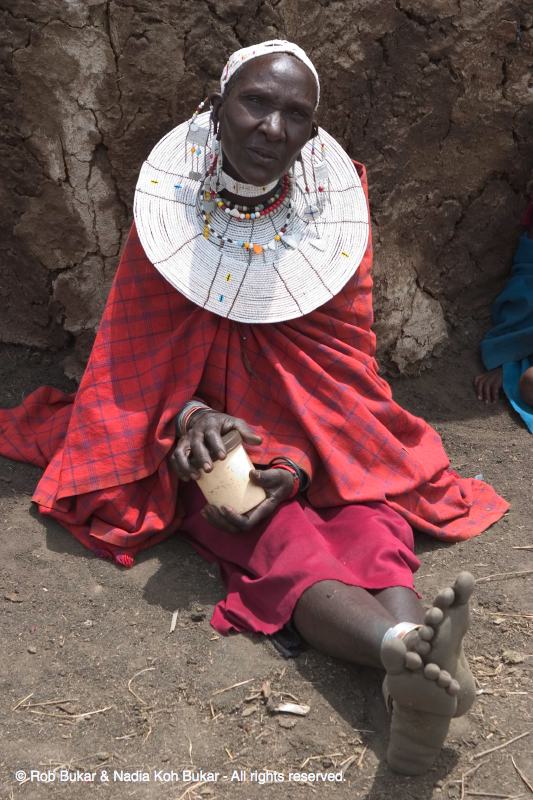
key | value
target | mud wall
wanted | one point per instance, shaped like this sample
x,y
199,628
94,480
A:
x,y
435,96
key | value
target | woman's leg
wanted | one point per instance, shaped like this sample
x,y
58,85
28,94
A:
x,y
403,604
349,623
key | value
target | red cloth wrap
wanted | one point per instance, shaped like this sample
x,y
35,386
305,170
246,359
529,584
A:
x,y
309,387
266,571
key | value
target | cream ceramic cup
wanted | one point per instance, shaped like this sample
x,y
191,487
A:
x,y
228,483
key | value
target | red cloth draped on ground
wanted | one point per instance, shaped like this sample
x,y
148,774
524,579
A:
x,y
309,387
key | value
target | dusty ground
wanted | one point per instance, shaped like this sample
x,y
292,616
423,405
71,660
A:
x,y
109,688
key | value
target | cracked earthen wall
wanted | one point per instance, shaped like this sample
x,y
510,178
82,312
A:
x,y
435,96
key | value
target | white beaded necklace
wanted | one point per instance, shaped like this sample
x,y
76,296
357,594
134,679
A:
x,y
244,189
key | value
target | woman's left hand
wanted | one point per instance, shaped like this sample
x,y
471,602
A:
x,y
278,485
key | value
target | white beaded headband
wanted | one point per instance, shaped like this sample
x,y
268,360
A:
x,y
240,57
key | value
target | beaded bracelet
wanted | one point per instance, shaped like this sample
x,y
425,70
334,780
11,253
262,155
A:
x,y
296,478
303,477
184,416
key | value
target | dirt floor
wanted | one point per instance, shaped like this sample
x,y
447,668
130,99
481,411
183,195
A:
x,y
93,680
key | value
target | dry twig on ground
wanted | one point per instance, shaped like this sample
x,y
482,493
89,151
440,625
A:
x,y
137,697
504,575
500,746
233,686
522,775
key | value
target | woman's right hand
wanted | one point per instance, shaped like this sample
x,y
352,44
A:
x,y
202,444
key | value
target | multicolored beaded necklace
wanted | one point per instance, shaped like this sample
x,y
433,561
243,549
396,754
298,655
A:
x,y
252,247
252,212
211,201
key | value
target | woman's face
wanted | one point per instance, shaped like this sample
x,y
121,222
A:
x,y
266,117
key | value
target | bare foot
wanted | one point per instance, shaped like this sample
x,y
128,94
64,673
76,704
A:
x,y
424,699
445,625
487,385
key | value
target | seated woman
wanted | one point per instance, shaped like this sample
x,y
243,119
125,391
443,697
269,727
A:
x,y
507,349
244,293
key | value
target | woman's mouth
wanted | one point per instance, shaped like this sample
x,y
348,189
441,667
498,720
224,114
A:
x,y
262,156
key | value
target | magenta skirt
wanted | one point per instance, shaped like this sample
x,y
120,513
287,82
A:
x,y
266,571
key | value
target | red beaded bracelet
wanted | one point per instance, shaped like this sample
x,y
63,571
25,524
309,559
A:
x,y
296,477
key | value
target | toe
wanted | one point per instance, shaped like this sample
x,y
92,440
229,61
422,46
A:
x,y
393,654
454,688
432,672
426,632
464,586
444,679
413,661
424,648
445,598
433,617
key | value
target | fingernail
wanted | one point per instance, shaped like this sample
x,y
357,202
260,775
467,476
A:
x,y
207,467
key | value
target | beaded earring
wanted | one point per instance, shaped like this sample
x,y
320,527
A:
x,y
196,143
310,209
320,183
212,182
320,169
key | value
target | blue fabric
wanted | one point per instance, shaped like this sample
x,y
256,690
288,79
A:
x,y
509,343
511,338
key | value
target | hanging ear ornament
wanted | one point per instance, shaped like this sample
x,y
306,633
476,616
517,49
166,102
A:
x,y
216,165
208,149
320,173
196,140
310,209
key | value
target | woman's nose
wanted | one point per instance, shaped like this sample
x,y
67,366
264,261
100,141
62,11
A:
x,y
274,126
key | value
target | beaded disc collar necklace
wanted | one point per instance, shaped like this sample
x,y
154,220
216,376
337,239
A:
x,y
251,254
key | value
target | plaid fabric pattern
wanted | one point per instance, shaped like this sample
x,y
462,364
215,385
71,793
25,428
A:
x,y
310,387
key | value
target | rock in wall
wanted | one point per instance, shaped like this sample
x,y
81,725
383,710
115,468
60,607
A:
x,y
435,96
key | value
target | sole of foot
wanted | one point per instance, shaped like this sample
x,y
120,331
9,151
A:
x,y
423,699
445,625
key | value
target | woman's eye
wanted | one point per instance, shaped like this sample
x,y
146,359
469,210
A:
x,y
299,116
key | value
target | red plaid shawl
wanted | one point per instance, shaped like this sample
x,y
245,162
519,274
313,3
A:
x,y
310,387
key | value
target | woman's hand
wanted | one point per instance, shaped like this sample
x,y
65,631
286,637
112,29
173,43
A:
x,y
202,444
488,385
278,485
